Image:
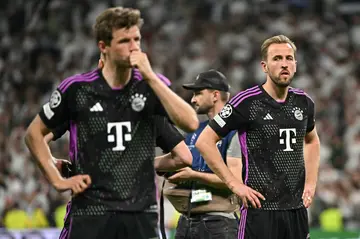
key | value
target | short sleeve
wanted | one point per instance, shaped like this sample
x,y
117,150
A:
x,y
167,136
230,118
59,131
311,115
56,112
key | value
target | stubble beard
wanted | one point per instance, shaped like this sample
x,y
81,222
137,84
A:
x,y
279,83
204,109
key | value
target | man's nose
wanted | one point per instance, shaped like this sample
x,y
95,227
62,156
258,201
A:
x,y
193,100
134,46
284,65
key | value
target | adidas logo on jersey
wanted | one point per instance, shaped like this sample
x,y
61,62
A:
x,y
268,117
96,108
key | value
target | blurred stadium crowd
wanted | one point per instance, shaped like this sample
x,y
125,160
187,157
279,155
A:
x,y
42,42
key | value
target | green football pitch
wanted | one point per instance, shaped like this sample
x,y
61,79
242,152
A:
x,y
319,234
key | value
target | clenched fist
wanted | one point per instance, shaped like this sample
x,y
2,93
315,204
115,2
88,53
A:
x,y
77,184
140,60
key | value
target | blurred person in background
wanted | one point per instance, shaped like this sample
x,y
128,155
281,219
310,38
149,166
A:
x,y
206,205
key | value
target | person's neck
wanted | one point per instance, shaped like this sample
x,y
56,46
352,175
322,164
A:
x,y
276,92
116,77
215,110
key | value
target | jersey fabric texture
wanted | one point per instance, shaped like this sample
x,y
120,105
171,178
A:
x,y
167,137
271,135
112,138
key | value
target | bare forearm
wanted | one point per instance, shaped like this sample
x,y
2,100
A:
x,y
209,179
235,166
312,160
41,152
180,112
48,137
168,162
214,160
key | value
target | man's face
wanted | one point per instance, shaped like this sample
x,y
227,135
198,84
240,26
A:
x,y
202,101
280,64
123,43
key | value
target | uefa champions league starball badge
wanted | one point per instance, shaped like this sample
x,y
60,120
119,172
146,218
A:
x,y
55,99
138,102
226,111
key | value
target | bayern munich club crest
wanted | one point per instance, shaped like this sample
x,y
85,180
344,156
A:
x,y
298,113
55,99
226,111
138,102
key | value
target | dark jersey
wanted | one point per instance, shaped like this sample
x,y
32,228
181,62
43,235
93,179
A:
x,y
271,136
112,138
167,136
59,131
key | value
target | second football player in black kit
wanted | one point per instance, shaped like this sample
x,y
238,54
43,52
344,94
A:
x,y
111,115
280,146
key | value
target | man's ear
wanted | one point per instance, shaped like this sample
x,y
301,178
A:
x,y
216,95
264,66
102,47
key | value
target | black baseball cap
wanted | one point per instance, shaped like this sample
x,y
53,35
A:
x,y
211,79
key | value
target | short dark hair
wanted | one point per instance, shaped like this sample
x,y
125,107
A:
x,y
113,19
224,96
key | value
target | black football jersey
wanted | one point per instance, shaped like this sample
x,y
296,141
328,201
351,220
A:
x,y
271,136
112,138
167,136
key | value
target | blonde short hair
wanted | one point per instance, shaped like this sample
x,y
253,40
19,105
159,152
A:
x,y
275,40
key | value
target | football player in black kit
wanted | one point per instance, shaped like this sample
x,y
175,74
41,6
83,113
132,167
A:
x,y
280,147
111,115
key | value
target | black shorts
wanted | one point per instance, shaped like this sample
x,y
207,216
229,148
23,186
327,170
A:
x,y
119,225
270,224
